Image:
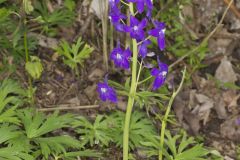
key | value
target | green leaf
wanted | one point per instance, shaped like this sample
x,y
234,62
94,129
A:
x,y
38,125
93,133
8,132
11,153
34,67
70,4
140,128
184,151
56,145
194,153
27,5
4,13
75,54
10,94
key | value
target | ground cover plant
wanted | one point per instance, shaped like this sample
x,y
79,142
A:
x,y
119,79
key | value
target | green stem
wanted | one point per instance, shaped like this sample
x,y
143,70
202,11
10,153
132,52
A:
x,y
27,60
124,3
164,121
26,46
132,93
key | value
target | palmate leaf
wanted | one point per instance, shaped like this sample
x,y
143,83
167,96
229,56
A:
x,y
38,125
56,145
21,143
11,153
184,151
61,16
96,133
140,128
178,147
10,93
75,54
8,132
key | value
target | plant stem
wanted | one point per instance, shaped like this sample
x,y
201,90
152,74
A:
x,y
164,121
104,19
27,60
26,46
132,93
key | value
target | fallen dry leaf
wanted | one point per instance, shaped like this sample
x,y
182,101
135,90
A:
x,y
225,72
98,7
220,108
203,108
231,129
96,74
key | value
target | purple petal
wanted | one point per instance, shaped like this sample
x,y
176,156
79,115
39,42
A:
x,y
161,42
158,82
143,48
149,4
163,67
143,23
149,13
154,32
140,6
127,53
112,96
133,21
113,3
142,51
140,35
155,72
159,25
125,64
120,27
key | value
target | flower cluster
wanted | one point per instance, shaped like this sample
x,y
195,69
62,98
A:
x,y
138,30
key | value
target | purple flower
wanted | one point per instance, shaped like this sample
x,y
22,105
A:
x,y
159,74
106,92
113,3
141,4
121,57
142,48
159,32
136,28
115,17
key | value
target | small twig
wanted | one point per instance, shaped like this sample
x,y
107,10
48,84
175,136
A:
x,y
164,122
205,39
67,107
233,8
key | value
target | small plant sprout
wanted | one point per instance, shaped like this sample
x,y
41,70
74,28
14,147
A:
x,y
75,54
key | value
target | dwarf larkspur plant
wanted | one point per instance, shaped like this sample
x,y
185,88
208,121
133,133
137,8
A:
x,y
139,31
